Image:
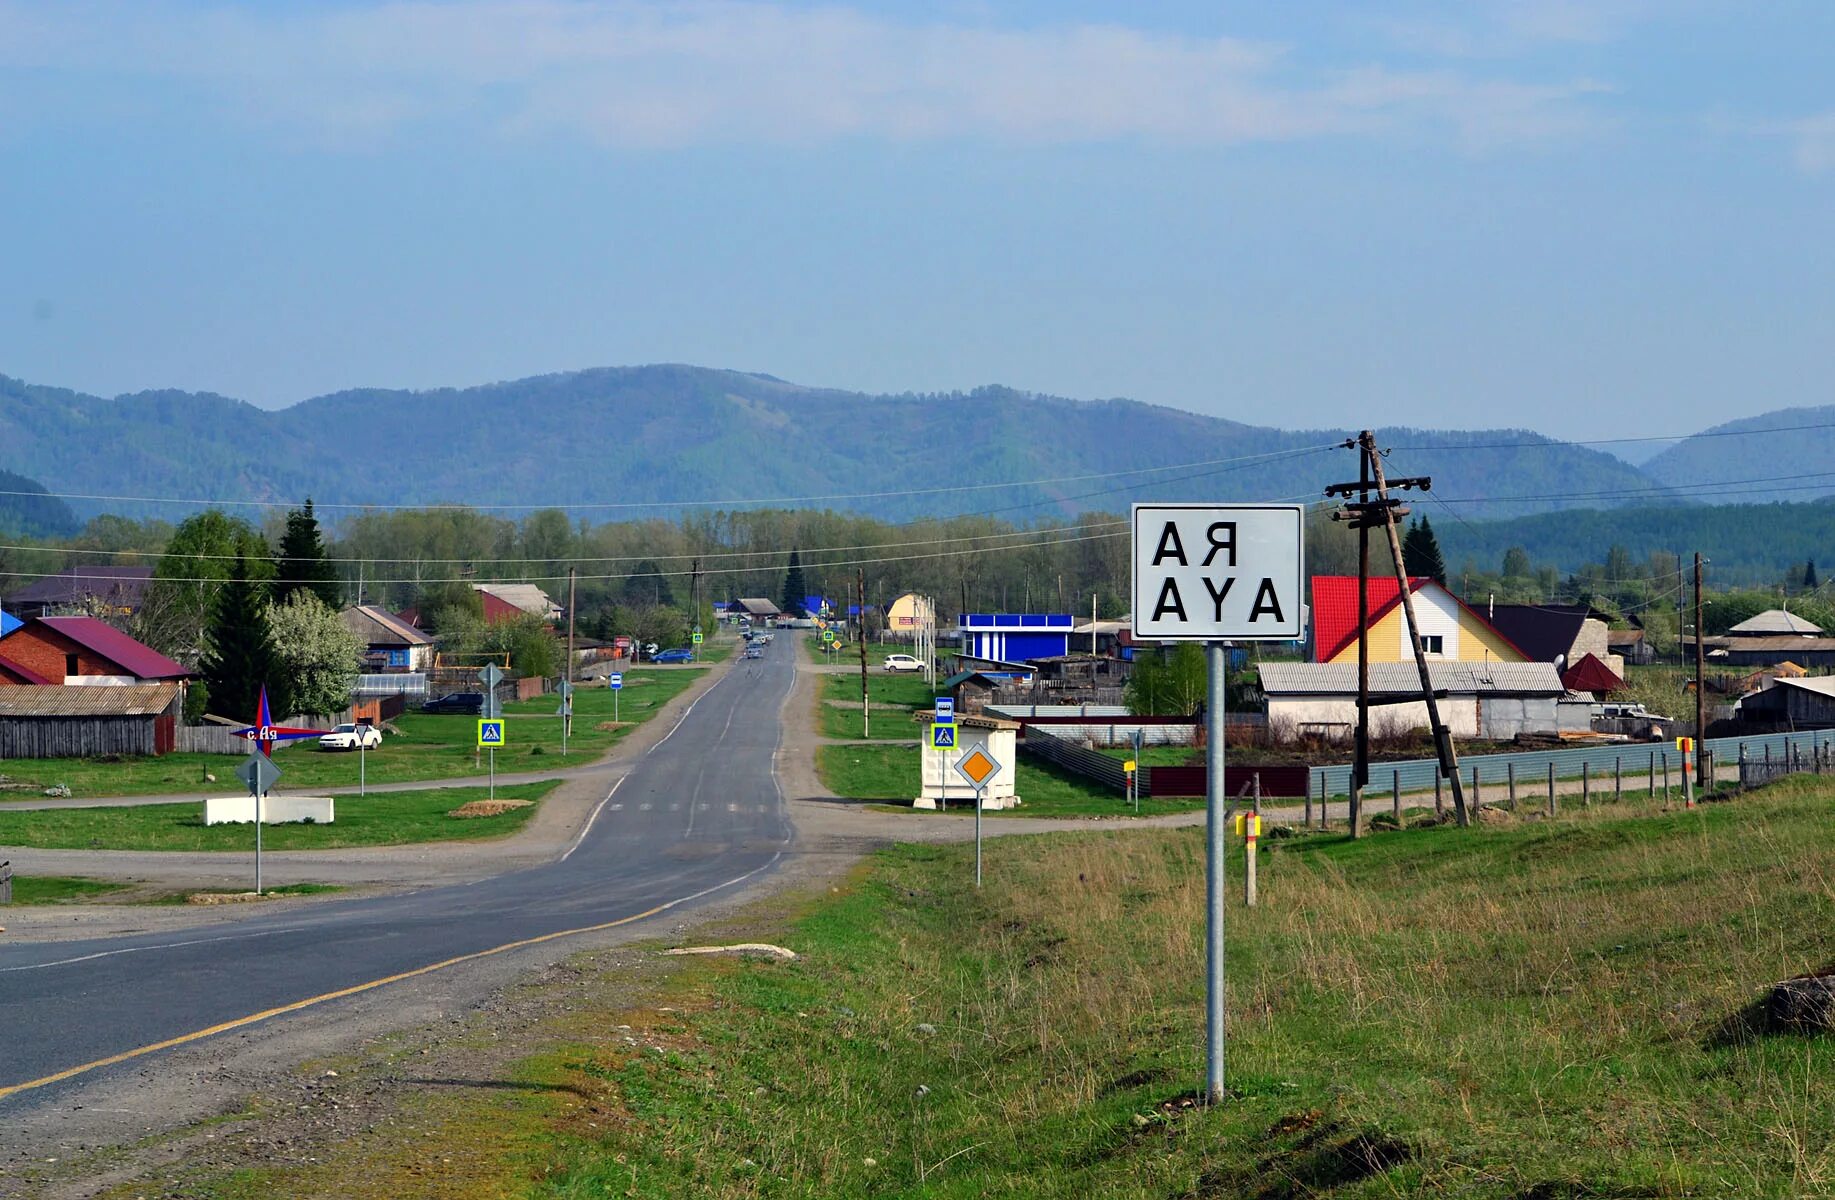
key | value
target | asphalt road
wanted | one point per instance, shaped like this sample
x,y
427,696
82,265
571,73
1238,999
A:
x,y
699,813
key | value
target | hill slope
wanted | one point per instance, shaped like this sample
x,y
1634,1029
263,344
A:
x,y
665,435
1793,463
26,509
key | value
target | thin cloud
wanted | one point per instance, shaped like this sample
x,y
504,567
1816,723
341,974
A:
x,y
666,75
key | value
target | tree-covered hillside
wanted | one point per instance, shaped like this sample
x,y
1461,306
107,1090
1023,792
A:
x,y
26,509
664,436
1784,455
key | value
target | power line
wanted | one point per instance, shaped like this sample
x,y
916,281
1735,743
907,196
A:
x,y
1547,443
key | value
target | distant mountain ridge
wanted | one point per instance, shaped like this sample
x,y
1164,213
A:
x,y
1787,449
642,441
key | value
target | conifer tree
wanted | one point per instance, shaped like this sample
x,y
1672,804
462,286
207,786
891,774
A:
x,y
239,649
795,590
1809,576
304,565
1421,553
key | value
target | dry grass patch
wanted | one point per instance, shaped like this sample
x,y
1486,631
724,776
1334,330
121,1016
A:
x,y
488,808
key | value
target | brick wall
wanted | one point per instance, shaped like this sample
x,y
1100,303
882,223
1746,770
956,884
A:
x,y
43,650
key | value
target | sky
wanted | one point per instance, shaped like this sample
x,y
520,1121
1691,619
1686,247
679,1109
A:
x,y
1594,219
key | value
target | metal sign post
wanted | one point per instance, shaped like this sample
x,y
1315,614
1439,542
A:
x,y
565,712
1214,573
491,736
615,681
258,773
978,767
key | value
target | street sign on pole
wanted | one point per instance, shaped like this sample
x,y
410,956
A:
x,y
1218,572
979,768
490,732
1213,573
489,678
942,737
615,680
946,711
259,773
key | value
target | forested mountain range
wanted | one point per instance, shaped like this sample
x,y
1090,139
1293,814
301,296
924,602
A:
x,y
656,437
26,509
1784,455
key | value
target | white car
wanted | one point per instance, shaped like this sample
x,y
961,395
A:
x,y
352,737
902,662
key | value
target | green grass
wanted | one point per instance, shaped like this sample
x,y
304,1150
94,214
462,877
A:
x,y
429,746
910,691
889,723
1536,1010
1155,756
889,774
291,889
58,889
379,819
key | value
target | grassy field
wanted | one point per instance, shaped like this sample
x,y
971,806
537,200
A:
x,y
909,691
379,819
894,697
1537,1011
427,747
59,889
889,774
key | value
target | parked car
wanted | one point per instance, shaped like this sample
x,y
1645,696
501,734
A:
x,y
902,662
464,703
678,654
352,737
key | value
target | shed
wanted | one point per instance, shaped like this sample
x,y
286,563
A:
x,y
389,643
938,782
1793,704
75,721
1495,700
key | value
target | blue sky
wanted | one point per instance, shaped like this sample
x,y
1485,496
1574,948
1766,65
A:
x,y
1592,219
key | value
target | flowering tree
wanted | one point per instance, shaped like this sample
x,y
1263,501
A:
x,y
315,652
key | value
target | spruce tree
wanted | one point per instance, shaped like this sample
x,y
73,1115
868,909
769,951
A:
x,y
795,590
239,652
1421,553
304,565
1809,576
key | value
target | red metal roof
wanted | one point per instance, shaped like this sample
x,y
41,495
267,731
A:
x,y
13,672
140,661
1335,609
1338,630
1590,675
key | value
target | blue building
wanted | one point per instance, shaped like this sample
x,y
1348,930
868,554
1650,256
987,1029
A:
x,y
1015,637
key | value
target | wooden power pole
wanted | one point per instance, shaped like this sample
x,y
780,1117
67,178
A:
x,y
866,705
1701,704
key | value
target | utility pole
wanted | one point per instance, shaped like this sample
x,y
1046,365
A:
x,y
570,602
866,705
1701,705
1364,514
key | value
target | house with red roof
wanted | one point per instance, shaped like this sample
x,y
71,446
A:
x,y
1451,630
81,651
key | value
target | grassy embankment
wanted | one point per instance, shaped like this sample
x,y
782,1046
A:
x,y
59,889
427,746
895,699
889,775
379,819
1532,1011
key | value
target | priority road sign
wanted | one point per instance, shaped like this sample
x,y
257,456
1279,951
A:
x,y
490,732
1218,572
978,767
258,773
942,737
490,676
615,680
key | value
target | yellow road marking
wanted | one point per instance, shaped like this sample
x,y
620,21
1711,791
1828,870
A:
x,y
297,1005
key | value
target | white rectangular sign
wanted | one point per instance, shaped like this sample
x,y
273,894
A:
x,y
1219,572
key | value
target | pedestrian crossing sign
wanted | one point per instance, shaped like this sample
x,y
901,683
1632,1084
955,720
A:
x,y
490,733
942,737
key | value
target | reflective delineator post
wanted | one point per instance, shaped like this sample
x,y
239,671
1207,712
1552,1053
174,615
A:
x,y
1214,849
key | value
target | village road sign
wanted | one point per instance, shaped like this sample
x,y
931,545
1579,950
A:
x,y
977,766
1218,572
490,733
259,773
942,737
946,711
615,680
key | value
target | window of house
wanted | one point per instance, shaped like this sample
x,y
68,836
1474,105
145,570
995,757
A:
x,y
1433,643
70,667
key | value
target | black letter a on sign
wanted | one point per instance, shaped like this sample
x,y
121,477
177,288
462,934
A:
x,y
1170,547
1169,601
1266,602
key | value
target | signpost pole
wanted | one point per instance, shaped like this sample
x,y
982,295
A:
x,y
978,792
261,794
363,774
1214,799
493,772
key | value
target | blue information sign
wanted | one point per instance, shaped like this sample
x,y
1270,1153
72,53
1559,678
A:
x,y
942,737
615,680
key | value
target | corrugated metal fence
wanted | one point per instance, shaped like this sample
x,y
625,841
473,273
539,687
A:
x,y
1635,759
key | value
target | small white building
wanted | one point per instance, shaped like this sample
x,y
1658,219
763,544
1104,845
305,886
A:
x,y
1481,700
941,786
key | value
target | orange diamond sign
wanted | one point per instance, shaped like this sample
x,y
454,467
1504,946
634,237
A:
x,y
978,767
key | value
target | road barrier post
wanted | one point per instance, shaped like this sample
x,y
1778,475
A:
x,y
1510,785
1586,785
1554,806
1618,780
1395,789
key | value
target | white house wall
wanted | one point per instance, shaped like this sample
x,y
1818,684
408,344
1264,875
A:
x,y
1439,614
1459,712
